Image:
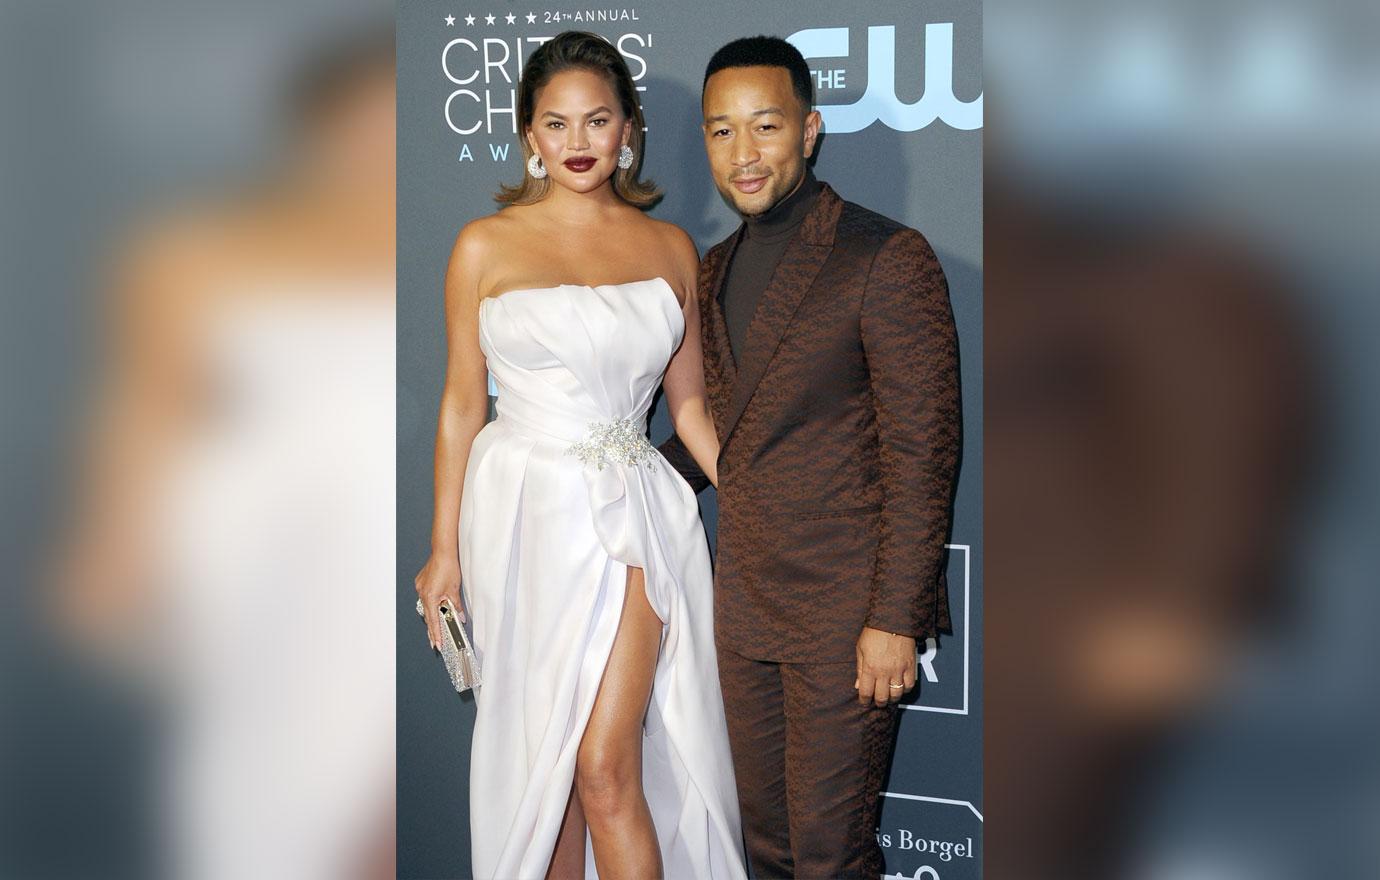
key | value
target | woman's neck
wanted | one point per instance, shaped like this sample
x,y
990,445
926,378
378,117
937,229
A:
x,y
567,207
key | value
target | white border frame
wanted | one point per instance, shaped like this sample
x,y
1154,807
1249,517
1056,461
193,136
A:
x,y
936,800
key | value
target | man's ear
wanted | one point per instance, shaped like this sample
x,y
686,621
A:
x,y
813,123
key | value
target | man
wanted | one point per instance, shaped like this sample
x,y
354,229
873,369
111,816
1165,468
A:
x,y
831,362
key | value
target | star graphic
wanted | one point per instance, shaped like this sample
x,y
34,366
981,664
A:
x,y
469,20
450,21
531,18
510,18
489,19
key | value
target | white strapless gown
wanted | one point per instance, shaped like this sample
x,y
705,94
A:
x,y
545,543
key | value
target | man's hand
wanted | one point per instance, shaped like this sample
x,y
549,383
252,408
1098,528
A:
x,y
886,666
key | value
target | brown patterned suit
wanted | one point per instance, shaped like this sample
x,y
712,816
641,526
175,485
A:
x,y
840,440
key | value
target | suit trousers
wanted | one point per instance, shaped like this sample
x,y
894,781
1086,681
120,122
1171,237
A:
x,y
810,762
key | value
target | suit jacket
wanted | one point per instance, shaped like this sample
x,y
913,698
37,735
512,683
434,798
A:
x,y
839,433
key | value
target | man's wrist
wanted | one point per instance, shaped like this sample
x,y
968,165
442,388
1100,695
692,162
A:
x,y
888,627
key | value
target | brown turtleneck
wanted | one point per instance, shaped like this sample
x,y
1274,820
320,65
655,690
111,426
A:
x,y
754,262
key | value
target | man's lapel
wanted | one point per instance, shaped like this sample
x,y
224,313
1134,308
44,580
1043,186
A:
x,y
720,369
800,264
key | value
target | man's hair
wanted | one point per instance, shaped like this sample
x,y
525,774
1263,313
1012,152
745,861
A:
x,y
765,52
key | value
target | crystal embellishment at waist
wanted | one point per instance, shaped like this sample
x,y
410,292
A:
x,y
618,442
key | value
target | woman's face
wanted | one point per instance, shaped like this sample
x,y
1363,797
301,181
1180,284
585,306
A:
x,y
577,128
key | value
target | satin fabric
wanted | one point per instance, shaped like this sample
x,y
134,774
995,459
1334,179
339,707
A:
x,y
545,544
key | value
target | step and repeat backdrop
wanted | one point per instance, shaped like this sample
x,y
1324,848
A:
x,y
899,86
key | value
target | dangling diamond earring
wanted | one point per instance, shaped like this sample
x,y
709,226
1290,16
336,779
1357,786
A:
x,y
625,157
535,166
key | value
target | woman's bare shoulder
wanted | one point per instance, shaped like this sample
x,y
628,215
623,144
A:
x,y
492,240
681,256
484,233
682,243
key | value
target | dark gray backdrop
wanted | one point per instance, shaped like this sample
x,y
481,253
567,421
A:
x,y
900,88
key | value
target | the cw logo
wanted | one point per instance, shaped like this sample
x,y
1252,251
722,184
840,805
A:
x,y
879,102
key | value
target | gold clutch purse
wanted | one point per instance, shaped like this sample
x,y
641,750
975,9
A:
x,y
456,650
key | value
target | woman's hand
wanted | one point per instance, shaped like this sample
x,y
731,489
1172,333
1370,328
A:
x,y
439,579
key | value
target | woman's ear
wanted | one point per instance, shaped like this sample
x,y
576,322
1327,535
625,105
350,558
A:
x,y
627,131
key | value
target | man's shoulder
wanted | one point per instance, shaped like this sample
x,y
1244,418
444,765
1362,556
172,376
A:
x,y
865,228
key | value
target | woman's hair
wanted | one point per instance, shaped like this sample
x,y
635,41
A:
x,y
578,50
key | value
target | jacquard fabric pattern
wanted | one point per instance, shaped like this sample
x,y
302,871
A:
x,y
840,432
819,819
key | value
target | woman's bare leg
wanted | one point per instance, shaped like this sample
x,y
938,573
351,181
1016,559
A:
x,y
568,860
608,768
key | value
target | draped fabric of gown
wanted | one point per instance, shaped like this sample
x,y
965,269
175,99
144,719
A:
x,y
546,539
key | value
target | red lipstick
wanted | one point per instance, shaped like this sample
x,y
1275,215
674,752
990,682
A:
x,y
580,164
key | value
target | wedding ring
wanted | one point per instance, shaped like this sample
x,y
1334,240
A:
x,y
897,687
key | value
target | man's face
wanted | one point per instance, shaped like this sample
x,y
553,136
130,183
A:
x,y
757,135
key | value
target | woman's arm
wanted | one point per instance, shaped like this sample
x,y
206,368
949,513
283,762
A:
x,y
686,398
464,409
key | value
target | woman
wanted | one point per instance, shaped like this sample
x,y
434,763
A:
x,y
583,559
